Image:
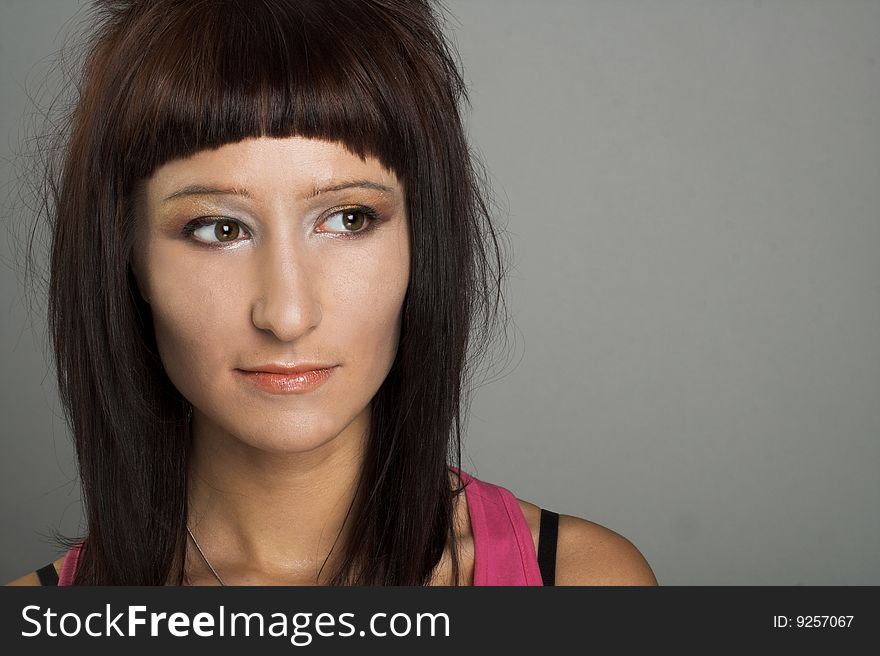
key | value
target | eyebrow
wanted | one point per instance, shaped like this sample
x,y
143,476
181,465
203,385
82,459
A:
x,y
207,190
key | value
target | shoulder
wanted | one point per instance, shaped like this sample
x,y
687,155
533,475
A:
x,y
32,578
590,554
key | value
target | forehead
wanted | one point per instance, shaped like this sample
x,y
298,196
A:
x,y
298,165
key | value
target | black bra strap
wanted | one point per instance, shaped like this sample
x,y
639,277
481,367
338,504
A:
x,y
48,575
547,546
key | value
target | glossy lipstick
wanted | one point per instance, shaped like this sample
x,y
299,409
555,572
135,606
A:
x,y
283,380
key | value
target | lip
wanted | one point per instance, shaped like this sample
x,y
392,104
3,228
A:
x,y
276,368
282,379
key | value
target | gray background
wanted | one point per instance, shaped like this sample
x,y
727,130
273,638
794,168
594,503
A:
x,y
692,191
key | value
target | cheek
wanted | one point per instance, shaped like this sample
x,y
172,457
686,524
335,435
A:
x,y
369,303
194,318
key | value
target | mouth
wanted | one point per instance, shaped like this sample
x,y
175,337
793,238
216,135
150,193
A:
x,y
287,380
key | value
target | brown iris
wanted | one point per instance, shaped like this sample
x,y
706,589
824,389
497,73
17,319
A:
x,y
226,230
350,222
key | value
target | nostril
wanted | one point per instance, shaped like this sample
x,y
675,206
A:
x,y
286,318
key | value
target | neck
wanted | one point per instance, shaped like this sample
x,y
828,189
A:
x,y
270,517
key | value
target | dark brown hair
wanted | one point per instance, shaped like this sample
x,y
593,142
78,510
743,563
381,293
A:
x,y
162,79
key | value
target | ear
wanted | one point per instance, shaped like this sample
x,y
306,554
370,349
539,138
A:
x,y
137,274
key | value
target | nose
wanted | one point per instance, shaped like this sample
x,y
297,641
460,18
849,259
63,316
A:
x,y
286,303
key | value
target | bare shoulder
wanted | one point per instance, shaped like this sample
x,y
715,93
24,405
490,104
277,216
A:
x,y
32,578
591,554
532,513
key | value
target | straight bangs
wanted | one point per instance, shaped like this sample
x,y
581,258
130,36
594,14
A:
x,y
212,73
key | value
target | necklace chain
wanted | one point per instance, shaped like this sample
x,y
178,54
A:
x,y
204,557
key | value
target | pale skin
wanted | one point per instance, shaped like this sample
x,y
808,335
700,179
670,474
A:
x,y
279,281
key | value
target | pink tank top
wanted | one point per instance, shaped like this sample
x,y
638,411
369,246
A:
x,y
504,552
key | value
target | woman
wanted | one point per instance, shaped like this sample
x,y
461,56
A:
x,y
272,268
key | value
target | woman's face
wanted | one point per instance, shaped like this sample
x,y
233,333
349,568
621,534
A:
x,y
274,252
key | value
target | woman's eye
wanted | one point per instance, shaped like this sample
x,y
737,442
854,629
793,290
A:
x,y
214,230
353,220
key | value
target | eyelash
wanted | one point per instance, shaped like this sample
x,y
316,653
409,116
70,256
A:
x,y
372,219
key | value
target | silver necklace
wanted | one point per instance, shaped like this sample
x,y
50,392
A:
x,y
204,557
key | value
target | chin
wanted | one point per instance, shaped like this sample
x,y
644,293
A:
x,y
301,435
